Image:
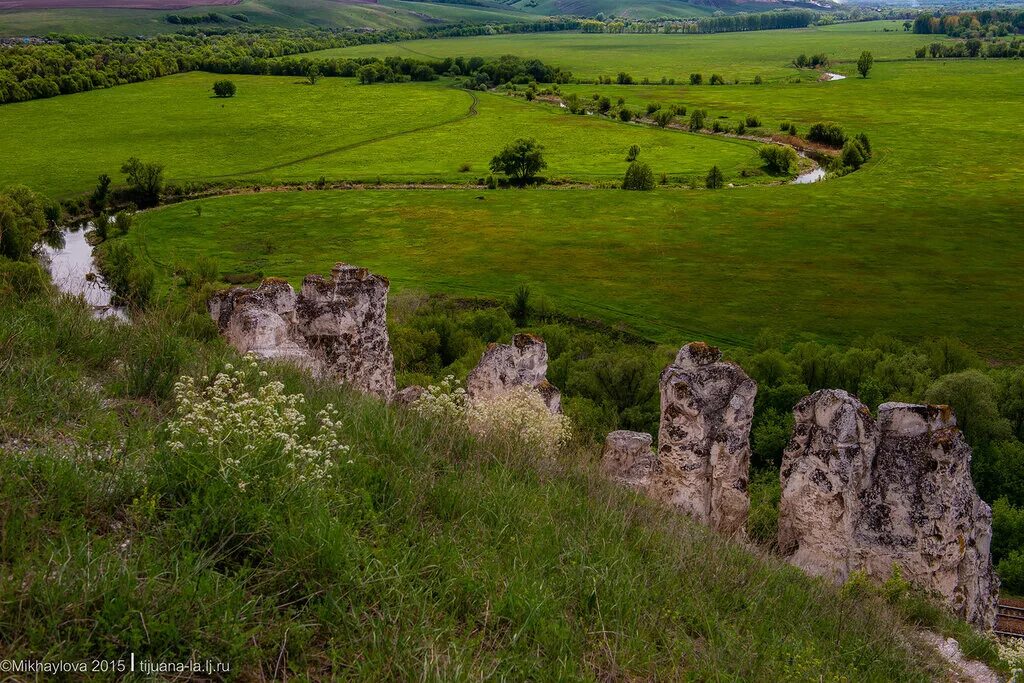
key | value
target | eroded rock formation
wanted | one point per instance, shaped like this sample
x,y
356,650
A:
x,y
503,367
628,458
831,451
336,327
922,512
704,440
861,494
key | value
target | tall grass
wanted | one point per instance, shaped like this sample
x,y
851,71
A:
x,y
431,555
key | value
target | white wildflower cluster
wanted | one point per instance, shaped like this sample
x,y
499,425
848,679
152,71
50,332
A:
x,y
1011,651
235,420
520,411
445,401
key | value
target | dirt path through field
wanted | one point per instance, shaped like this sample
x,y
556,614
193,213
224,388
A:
x,y
471,112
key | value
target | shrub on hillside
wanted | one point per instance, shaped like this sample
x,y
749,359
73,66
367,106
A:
x,y
224,88
663,117
633,152
638,177
518,414
696,79
697,118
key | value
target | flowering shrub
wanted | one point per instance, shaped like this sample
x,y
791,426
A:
x,y
1011,651
237,417
521,412
443,401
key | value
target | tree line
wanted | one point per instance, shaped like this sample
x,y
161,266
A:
x,y
993,22
972,48
71,64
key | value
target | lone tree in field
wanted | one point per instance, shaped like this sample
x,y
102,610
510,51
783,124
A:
x,y
633,153
520,161
864,64
638,177
312,74
715,179
224,88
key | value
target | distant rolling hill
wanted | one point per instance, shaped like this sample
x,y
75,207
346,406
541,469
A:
x,y
148,17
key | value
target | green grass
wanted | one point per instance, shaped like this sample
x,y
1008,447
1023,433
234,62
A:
x,y
923,241
733,55
384,14
430,554
280,129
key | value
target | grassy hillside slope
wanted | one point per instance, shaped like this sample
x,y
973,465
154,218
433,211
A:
x,y
428,554
376,14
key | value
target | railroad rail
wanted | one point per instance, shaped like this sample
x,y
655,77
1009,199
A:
x,y
1009,621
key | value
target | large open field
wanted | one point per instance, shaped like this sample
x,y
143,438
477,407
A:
x,y
733,55
925,240
281,129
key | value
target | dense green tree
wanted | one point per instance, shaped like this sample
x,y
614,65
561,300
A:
x,y
101,195
864,63
633,153
714,180
521,160
853,155
145,180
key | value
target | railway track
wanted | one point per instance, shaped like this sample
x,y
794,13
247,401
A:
x,y
1009,620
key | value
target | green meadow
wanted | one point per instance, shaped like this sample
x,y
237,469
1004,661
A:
x,y
281,129
923,241
733,55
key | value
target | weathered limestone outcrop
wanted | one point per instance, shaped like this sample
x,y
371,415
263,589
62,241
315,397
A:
x,y
703,462
831,451
864,495
628,458
335,327
922,512
503,367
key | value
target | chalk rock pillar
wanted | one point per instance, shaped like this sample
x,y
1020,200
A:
x,y
335,328
832,448
703,461
922,512
628,458
503,367
261,321
344,322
